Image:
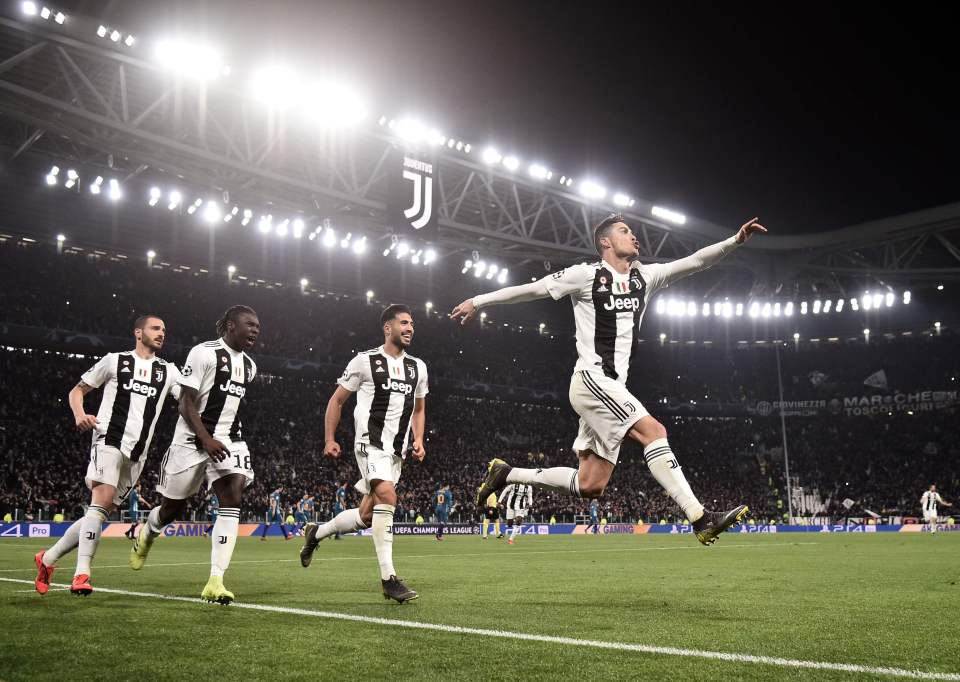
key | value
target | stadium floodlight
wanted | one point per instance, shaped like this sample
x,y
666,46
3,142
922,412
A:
x,y
281,229
491,271
360,246
776,309
173,200
839,305
247,216
212,212
939,287
115,193
483,316
115,36
402,249
803,307
45,12
429,256
866,334
705,310
467,147
739,310
478,268
511,163
754,309
491,155
369,294
866,301
827,305
60,17
51,178
888,299
788,309
231,269
265,224
854,304
661,306
304,282
877,300
71,180
621,199
415,258
154,196
936,325
101,31
429,305
459,146
796,336
668,215
502,277
691,309
663,337
592,190
95,185
151,254
61,238
297,228
129,40
726,309
765,312
329,237
816,306
29,8
189,58
538,172
411,130
906,298
450,143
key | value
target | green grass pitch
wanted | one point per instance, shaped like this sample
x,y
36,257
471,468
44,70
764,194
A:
x,y
884,600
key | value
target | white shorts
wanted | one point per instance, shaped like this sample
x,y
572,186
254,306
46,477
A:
x,y
109,466
607,411
930,517
181,475
375,465
516,514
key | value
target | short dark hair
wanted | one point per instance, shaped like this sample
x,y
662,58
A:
x,y
392,310
141,321
232,314
603,229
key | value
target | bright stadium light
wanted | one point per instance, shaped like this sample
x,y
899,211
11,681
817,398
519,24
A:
x,y
739,310
71,180
661,306
511,163
212,212
297,228
803,308
232,269
360,246
866,334
796,336
936,325
282,230
621,199
478,268
592,190
906,298
776,309
29,8
668,215
754,309
402,249
329,238
429,305
705,310
788,309
877,300
129,40
114,192
726,310
939,287
854,304
888,299
154,196
304,282
491,155
429,256
96,184
866,301
61,238
45,13
188,58
369,294
51,177
60,17
247,217
816,306
502,277
101,31
663,337
691,309
265,224
839,307
412,130
765,312
151,254
538,172
115,36
827,305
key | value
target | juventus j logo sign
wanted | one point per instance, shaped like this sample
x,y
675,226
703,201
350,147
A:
x,y
420,174
222,539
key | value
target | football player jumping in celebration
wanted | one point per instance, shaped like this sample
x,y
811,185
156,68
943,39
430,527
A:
x,y
208,443
609,298
391,388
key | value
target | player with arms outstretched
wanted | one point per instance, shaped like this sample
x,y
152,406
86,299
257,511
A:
x,y
609,298
208,443
135,385
928,503
391,388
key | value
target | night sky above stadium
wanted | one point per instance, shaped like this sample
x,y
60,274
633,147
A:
x,y
813,117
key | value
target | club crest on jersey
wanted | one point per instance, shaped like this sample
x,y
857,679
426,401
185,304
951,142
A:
x,y
158,374
412,372
249,374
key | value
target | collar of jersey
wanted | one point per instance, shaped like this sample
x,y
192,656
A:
x,y
384,353
223,344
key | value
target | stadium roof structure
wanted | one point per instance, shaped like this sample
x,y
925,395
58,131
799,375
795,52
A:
x,y
95,104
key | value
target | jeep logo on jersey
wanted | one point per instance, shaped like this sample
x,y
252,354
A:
x,y
413,195
238,390
397,386
143,389
632,304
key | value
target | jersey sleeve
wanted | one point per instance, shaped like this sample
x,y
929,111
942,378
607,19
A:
x,y
568,281
253,370
173,380
422,388
101,372
354,374
198,363
662,274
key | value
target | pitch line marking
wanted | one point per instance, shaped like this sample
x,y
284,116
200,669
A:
x,y
438,556
550,639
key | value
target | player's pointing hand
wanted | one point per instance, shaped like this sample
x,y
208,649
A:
x,y
464,312
748,229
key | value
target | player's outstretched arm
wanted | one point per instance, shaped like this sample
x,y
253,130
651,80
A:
x,y
710,255
84,421
521,293
331,448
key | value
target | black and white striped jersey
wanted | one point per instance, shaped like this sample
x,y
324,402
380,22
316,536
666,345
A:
x,y
221,377
133,393
386,389
929,501
517,496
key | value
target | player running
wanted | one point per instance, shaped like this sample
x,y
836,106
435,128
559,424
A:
x,y
274,514
594,516
609,298
134,500
444,504
135,385
208,443
928,503
517,499
391,389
